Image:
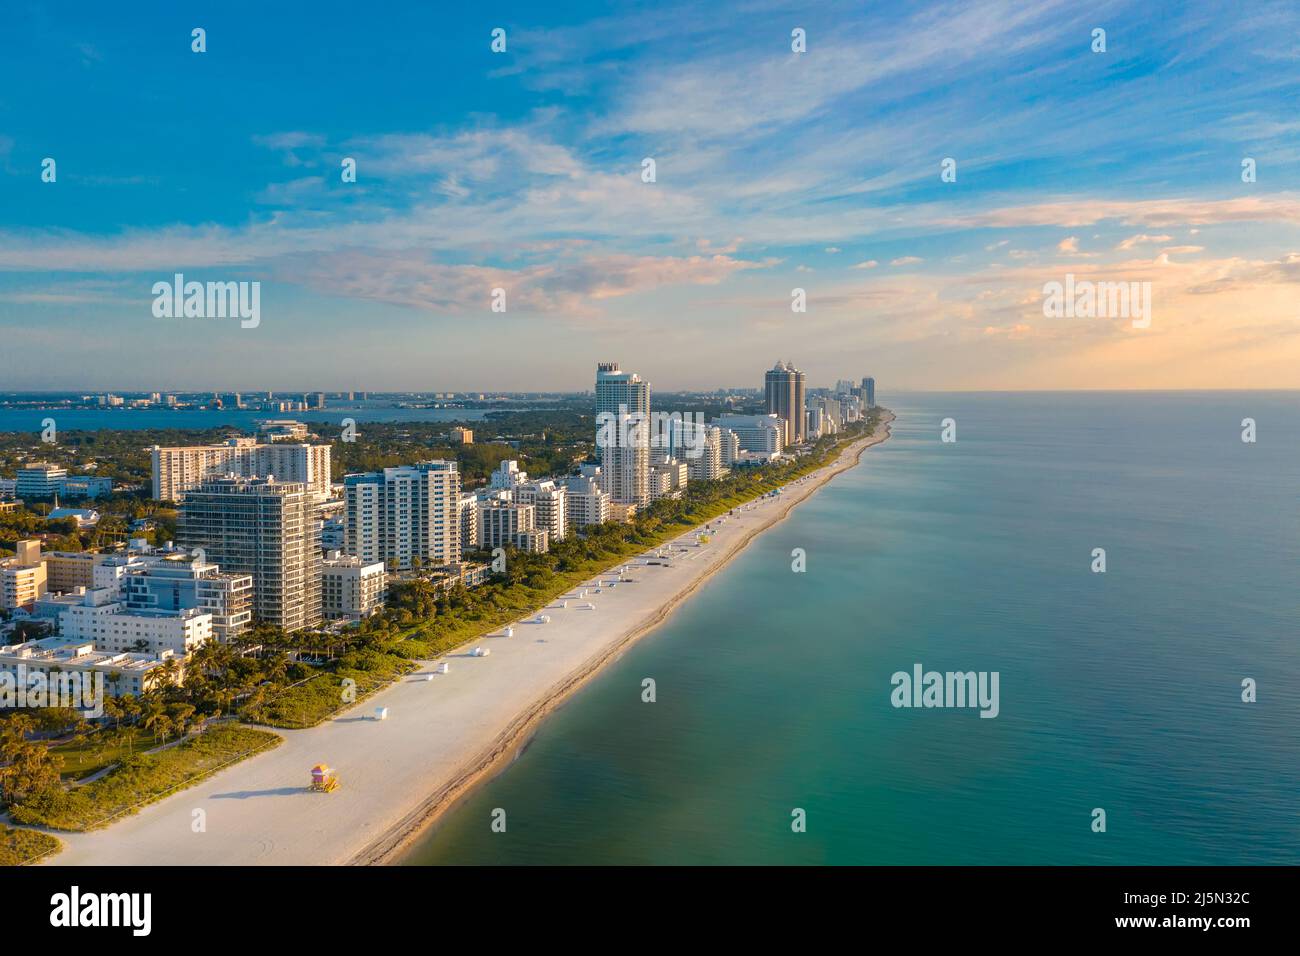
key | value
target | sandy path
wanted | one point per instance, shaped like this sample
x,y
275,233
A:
x,y
441,735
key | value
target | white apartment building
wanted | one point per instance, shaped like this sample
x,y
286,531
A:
x,y
23,577
351,588
729,447
115,629
170,582
504,522
283,430
40,480
550,502
507,476
668,478
816,423
757,433
467,508
85,486
623,422
407,514
700,447
833,413
177,471
586,502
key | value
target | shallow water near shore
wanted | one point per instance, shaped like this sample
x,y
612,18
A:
x,y
1119,691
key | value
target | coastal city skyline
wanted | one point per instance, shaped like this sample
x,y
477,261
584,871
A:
x,y
599,434
922,177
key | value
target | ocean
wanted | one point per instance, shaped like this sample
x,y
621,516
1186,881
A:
x,y
1119,691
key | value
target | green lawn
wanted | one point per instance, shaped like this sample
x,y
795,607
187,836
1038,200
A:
x,y
85,755
18,847
314,700
143,778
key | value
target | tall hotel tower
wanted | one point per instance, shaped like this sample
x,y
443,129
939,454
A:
x,y
784,388
625,438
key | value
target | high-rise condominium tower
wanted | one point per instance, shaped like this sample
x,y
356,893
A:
x,y
266,528
784,389
401,515
623,434
177,470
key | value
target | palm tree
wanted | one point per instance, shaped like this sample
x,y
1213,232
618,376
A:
x,y
153,711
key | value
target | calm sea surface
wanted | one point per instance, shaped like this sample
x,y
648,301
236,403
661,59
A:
x,y
1119,690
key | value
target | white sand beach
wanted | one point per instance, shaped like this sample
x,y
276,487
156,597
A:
x,y
442,734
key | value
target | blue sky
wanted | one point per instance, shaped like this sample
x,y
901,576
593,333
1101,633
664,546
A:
x,y
775,170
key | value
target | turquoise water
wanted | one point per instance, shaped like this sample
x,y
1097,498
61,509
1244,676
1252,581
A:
x,y
1119,690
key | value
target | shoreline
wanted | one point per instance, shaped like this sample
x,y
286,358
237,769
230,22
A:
x,y
393,845
441,732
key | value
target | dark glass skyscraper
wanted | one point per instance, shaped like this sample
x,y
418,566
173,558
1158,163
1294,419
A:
x,y
784,390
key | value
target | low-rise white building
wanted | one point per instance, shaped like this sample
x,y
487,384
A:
x,y
92,615
352,588
122,673
668,478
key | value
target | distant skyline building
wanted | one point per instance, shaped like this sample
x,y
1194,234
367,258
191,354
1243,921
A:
x,y
783,389
623,422
869,391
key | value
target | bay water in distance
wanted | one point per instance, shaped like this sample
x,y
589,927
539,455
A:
x,y
78,418
1119,690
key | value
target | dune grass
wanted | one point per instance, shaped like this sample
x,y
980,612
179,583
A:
x,y
141,779
21,847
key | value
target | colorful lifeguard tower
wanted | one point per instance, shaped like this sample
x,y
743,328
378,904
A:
x,y
323,779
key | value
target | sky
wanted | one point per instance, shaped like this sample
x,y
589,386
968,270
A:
x,y
775,170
